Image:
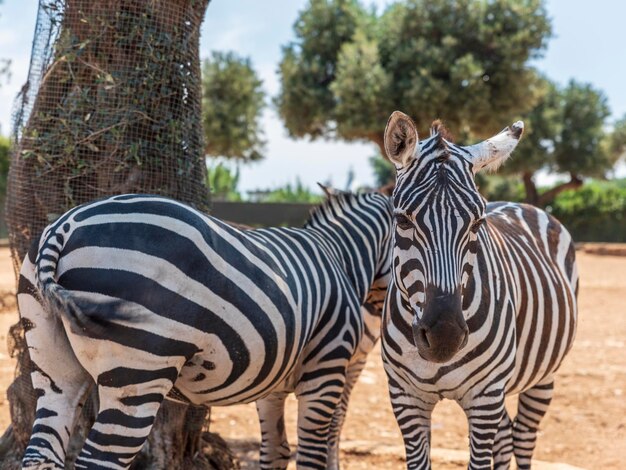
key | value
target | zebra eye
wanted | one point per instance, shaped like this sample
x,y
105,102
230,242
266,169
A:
x,y
476,225
403,222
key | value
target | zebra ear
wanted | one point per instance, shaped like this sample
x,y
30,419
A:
x,y
400,139
328,191
493,152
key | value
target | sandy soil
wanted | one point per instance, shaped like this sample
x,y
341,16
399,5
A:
x,y
585,427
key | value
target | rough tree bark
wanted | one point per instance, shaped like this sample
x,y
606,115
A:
x,y
117,111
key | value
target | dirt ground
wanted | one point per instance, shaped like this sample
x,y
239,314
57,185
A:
x,y
585,427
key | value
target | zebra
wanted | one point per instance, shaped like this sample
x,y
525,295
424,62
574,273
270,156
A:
x,y
145,296
482,302
275,451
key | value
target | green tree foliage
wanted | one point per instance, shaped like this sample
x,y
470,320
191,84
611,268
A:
x,y
309,65
542,126
232,103
565,133
617,140
580,150
463,60
360,90
223,182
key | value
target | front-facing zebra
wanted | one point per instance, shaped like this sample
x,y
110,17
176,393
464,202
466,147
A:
x,y
483,298
146,296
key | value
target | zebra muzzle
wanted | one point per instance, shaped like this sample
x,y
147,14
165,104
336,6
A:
x,y
441,341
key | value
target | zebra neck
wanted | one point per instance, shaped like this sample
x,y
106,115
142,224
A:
x,y
356,256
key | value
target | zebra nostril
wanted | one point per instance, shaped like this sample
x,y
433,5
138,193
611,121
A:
x,y
465,338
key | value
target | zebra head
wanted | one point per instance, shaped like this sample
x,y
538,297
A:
x,y
438,213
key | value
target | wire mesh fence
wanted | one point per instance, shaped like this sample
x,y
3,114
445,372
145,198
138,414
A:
x,y
111,106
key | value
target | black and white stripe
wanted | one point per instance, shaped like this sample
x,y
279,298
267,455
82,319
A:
x,y
482,302
146,296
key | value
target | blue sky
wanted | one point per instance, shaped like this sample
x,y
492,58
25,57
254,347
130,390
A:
x,y
589,45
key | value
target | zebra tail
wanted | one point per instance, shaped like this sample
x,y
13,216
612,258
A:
x,y
85,318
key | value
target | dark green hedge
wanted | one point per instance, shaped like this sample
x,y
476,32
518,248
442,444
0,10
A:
x,y
594,213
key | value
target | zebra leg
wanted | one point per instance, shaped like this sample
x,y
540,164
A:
x,y
532,406
485,415
317,400
503,444
414,417
275,452
339,416
128,406
59,380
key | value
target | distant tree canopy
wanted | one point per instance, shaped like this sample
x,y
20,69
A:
x,y
232,102
463,60
617,140
565,133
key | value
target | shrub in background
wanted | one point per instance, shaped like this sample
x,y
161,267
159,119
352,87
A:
x,y
223,181
297,193
595,212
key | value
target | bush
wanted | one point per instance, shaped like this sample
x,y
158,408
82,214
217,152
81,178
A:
x,y
298,193
223,181
596,212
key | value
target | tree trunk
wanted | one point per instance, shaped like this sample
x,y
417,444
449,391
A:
x,y
546,198
117,110
542,200
532,197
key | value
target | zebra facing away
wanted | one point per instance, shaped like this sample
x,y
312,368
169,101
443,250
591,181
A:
x,y
482,302
146,296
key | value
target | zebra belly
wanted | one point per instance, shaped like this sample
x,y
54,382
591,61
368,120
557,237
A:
x,y
210,378
545,330
539,356
543,279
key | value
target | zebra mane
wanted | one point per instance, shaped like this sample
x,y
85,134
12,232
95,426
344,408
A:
x,y
342,205
335,203
437,128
